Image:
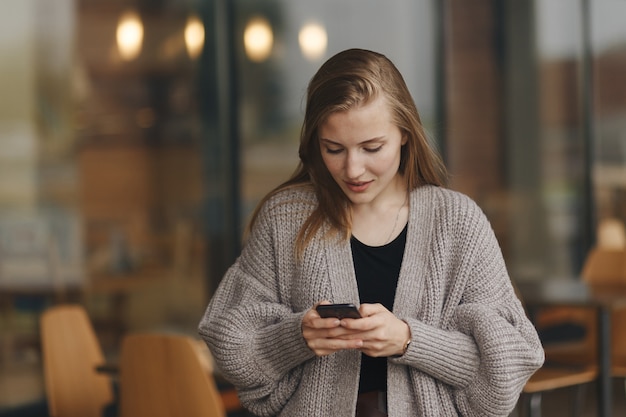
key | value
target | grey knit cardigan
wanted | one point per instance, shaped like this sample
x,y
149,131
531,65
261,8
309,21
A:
x,y
472,346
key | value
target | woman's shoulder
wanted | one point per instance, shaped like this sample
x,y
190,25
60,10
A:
x,y
445,197
303,194
451,210
292,199
446,203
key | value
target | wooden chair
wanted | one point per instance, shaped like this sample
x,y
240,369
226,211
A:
x,y
549,378
552,377
580,349
227,392
572,363
607,267
603,268
71,353
163,375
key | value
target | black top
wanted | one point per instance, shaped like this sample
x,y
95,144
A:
x,y
377,269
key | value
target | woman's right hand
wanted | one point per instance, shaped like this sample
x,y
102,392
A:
x,y
326,335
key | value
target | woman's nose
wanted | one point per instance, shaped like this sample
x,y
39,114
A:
x,y
354,165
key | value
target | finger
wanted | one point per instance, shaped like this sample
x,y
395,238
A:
x,y
362,324
329,323
367,310
323,347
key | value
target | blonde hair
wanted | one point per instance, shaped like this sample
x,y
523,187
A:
x,y
347,80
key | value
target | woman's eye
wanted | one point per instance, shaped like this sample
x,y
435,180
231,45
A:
x,y
333,151
373,150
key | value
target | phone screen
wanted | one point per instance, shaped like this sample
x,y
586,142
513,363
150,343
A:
x,y
341,311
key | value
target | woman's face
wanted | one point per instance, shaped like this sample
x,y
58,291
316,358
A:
x,y
361,149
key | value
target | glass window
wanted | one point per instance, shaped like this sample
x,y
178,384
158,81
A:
x,y
556,229
102,186
515,127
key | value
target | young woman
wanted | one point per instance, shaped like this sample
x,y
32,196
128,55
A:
x,y
365,219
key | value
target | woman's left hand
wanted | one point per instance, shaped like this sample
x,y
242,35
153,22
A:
x,y
383,334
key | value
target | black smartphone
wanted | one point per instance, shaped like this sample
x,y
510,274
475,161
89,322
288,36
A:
x,y
341,311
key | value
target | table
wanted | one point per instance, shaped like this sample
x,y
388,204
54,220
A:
x,y
604,298
116,287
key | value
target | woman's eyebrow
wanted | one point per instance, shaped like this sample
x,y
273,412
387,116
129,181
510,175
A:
x,y
365,142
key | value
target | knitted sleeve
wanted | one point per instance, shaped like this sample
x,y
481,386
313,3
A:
x,y
256,340
507,343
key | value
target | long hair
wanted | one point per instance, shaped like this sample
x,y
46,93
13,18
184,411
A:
x,y
347,80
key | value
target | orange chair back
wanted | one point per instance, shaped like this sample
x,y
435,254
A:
x,y
71,353
605,267
162,375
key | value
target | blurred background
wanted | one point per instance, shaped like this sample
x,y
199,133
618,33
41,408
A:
x,y
136,137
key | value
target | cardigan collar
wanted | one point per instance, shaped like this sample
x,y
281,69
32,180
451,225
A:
x,y
413,270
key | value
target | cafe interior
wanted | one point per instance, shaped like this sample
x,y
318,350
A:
x,y
137,136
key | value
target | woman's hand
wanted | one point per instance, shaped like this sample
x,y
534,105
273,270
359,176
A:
x,y
383,334
327,335
378,333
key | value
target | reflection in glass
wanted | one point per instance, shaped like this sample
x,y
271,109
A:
x,y
258,39
194,36
129,35
313,41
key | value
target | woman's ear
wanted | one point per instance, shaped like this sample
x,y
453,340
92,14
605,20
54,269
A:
x,y
405,138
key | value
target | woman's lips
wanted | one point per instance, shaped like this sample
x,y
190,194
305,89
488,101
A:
x,y
358,187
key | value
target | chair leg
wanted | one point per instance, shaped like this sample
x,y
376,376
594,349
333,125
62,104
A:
x,y
531,407
579,399
534,405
